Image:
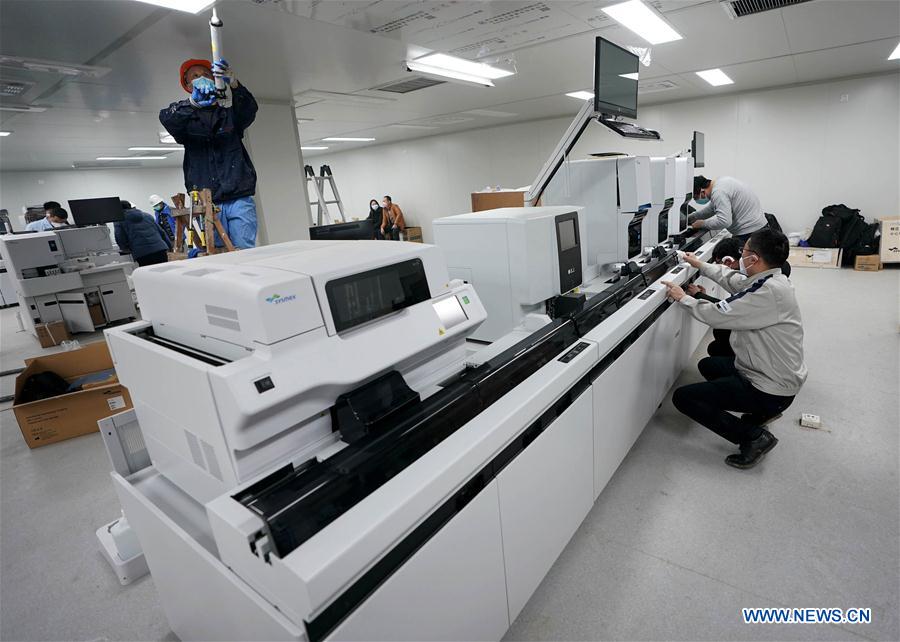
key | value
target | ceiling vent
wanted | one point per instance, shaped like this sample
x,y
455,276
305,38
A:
x,y
14,87
407,85
652,86
742,8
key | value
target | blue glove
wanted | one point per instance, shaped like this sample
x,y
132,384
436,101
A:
x,y
204,93
221,69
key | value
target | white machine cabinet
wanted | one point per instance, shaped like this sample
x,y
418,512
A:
x,y
429,599
545,494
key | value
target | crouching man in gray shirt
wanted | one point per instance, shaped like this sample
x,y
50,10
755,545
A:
x,y
767,368
732,206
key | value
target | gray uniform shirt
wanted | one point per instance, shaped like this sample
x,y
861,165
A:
x,y
766,328
732,206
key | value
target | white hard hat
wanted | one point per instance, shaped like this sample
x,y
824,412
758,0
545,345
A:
x,y
155,198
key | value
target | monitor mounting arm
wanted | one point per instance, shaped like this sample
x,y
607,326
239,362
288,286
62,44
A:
x,y
563,147
568,140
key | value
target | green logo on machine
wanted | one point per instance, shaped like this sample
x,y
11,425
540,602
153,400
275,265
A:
x,y
277,298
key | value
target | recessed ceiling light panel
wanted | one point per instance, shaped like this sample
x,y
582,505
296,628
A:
x,y
715,77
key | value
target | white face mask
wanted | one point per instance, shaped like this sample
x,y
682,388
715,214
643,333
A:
x,y
742,267
374,206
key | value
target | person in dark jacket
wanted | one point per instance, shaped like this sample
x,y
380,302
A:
x,y
211,131
375,214
140,235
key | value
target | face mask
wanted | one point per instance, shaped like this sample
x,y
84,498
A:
x,y
374,206
742,267
702,201
157,208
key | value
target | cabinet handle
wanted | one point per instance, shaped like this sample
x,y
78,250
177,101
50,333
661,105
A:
x,y
109,292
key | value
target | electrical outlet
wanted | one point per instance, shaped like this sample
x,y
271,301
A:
x,y
810,421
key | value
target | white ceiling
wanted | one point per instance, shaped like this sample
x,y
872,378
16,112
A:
x,y
281,48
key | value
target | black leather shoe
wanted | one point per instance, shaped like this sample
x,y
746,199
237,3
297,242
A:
x,y
758,420
754,452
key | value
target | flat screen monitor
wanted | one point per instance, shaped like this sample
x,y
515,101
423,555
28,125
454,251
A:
x,y
350,231
697,149
615,79
96,211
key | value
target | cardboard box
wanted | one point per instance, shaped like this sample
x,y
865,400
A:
x,y
48,421
52,334
413,234
491,200
890,239
816,257
867,263
97,316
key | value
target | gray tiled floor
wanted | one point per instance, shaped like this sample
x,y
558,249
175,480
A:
x,y
674,547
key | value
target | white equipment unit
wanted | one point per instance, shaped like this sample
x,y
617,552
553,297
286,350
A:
x,y
67,273
516,257
684,193
662,197
327,468
615,194
257,345
7,288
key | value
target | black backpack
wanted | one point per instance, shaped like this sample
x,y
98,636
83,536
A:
x,y
42,385
773,222
826,232
867,243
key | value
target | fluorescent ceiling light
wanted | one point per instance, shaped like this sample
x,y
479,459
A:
x,y
633,76
22,108
581,95
312,147
343,139
52,66
490,113
463,66
442,74
156,149
896,54
715,77
5,133
643,21
166,137
130,158
190,6
410,126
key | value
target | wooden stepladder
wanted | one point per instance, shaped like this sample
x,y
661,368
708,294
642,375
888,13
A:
x,y
202,209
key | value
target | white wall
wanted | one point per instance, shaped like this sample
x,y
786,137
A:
x,y
18,189
801,148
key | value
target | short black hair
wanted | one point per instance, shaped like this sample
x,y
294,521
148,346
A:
x,y
125,205
389,199
730,246
700,182
49,205
770,245
59,212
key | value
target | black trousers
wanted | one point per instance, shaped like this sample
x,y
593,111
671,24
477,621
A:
x,y
721,345
152,259
726,390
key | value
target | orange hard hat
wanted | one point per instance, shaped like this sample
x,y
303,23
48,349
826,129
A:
x,y
187,64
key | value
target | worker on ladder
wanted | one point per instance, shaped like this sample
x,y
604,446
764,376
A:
x,y
211,131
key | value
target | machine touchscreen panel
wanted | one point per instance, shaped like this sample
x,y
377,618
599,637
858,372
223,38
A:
x,y
370,295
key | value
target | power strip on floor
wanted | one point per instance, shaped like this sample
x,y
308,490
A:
x,y
810,421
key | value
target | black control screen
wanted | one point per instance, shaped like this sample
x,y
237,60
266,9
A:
x,y
567,236
369,295
634,236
